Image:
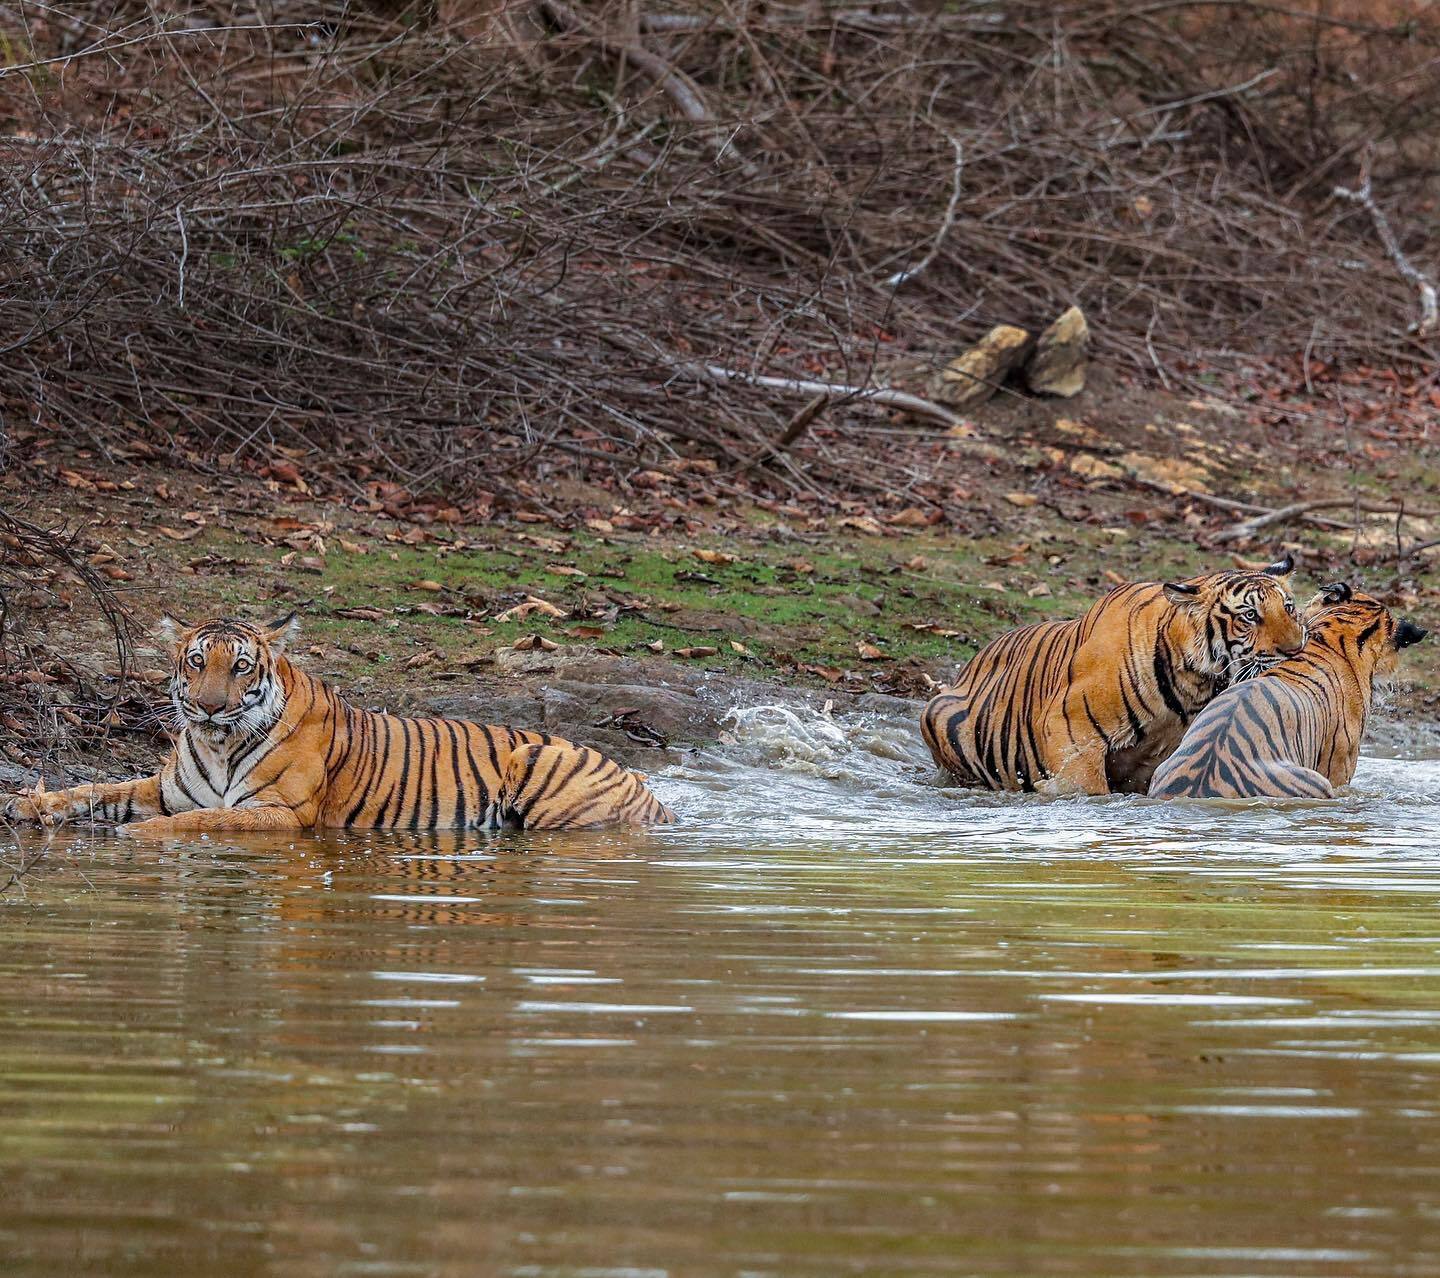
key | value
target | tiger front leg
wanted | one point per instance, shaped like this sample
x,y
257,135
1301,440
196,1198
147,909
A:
x,y
204,820
118,801
1073,749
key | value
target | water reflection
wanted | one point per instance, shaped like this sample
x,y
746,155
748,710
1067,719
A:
x,y
907,1031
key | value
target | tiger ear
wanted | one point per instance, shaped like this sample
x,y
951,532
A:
x,y
1337,592
279,633
171,628
1282,567
1181,592
1407,632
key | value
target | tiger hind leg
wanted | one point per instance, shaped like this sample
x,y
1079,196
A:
x,y
566,787
1279,779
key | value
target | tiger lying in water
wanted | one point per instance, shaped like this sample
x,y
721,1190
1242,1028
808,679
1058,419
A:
x,y
1295,731
1094,704
266,747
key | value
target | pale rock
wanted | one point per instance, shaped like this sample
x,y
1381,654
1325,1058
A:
x,y
973,377
1058,365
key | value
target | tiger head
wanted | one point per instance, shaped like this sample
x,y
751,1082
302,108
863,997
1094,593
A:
x,y
1338,613
225,677
1244,622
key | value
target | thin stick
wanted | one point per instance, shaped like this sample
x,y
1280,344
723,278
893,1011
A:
x,y
1295,510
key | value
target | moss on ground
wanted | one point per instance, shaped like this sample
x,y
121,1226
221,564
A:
x,y
767,601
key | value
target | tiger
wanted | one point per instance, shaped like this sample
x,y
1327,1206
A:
x,y
1092,705
1294,732
265,746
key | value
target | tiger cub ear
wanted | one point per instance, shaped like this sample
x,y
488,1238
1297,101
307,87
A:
x,y
1282,567
279,633
1337,592
1181,592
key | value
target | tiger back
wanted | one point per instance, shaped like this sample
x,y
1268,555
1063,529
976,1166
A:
x,y
1295,731
1094,704
264,746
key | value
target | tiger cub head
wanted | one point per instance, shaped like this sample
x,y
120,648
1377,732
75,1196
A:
x,y
1361,627
1243,622
225,679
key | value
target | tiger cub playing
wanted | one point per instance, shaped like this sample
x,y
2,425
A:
x,y
1294,733
266,747
1095,704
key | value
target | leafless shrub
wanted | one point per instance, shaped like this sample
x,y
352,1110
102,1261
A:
x,y
447,245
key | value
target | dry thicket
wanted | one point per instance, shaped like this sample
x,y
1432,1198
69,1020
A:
x,y
435,244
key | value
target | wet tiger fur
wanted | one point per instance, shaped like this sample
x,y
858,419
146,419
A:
x,y
266,747
1092,705
1295,731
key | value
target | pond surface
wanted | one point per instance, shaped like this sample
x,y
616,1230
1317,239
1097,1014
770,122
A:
x,y
841,1021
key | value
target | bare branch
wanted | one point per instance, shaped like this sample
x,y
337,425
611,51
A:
x,y
898,399
1364,196
912,272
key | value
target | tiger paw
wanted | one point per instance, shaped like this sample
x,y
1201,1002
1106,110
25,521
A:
x,y
45,806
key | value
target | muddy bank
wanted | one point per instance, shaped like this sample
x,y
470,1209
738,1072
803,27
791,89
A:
x,y
647,713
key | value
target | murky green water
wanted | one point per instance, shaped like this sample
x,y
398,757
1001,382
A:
x,y
840,1022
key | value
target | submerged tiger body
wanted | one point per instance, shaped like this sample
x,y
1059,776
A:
x,y
1295,731
1094,704
266,747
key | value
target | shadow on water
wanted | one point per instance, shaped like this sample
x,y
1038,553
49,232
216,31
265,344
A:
x,y
844,1019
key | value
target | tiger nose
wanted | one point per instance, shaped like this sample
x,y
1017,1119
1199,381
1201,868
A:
x,y
210,705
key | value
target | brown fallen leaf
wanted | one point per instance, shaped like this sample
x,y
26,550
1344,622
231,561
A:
x,y
918,564
362,614
915,517
585,632
803,566
180,534
535,643
737,646
554,545
531,604
565,570
1113,577
656,645
116,573
1042,591
714,556
699,650
1022,499
426,584
421,659
869,652
353,547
